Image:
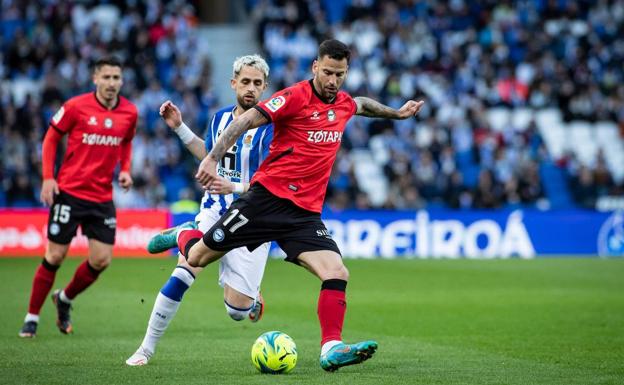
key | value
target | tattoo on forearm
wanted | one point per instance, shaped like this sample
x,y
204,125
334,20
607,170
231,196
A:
x,y
229,137
249,119
372,108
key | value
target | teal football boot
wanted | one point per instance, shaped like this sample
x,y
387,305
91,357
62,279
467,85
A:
x,y
347,354
166,239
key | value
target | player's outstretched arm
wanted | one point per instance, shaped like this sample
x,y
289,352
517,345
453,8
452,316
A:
x,y
374,109
207,171
173,117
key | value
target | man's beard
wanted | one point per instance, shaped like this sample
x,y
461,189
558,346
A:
x,y
246,105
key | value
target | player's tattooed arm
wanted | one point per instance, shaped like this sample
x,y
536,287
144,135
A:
x,y
207,171
248,120
374,109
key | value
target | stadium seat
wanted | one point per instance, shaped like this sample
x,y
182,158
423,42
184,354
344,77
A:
x,y
370,176
521,118
499,118
380,152
548,117
555,138
582,143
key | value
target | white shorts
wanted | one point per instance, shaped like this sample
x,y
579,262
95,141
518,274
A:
x,y
239,268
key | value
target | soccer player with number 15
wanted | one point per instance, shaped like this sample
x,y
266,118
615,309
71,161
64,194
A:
x,y
100,126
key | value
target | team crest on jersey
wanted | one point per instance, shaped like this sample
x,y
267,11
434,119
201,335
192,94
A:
x,y
55,229
108,122
218,235
275,103
92,121
248,139
331,115
59,115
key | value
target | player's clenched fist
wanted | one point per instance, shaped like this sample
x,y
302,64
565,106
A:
x,y
125,180
171,113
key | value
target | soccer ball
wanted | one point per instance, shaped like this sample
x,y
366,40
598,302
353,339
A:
x,y
274,352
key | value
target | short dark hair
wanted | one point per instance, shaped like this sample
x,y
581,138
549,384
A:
x,y
335,49
107,61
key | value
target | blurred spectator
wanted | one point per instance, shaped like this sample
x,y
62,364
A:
x,y
583,188
21,192
488,193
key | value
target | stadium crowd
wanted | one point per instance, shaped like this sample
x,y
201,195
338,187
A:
x,y
461,57
47,50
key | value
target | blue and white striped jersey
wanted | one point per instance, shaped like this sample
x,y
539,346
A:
x,y
241,160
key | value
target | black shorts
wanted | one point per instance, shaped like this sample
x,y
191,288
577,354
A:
x,y
98,220
258,216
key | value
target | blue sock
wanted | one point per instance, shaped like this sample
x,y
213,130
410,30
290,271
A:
x,y
179,282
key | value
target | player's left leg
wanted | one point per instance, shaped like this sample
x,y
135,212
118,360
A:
x,y
332,306
100,256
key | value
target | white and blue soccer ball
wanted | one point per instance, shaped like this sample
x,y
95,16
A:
x,y
274,352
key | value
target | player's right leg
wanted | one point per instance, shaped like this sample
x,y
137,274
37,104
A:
x,y
240,275
237,304
41,286
165,308
62,225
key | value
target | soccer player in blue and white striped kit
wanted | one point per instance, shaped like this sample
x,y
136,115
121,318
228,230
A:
x,y
240,271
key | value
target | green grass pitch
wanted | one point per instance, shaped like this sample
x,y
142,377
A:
x,y
549,321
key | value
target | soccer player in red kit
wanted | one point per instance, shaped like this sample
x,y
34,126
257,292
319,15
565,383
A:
x,y
287,192
100,126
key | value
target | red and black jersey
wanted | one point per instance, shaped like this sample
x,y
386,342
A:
x,y
96,137
307,132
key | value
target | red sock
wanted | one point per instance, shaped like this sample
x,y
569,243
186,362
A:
x,y
84,276
186,240
332,307
42,283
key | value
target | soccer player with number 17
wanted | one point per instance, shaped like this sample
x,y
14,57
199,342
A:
x,y
285,200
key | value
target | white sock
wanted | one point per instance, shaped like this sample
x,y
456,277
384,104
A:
x,y
63,297
165,309
31,317
235,313
328,345
163,312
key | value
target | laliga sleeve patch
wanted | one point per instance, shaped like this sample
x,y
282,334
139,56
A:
x,y
275,104
59,115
